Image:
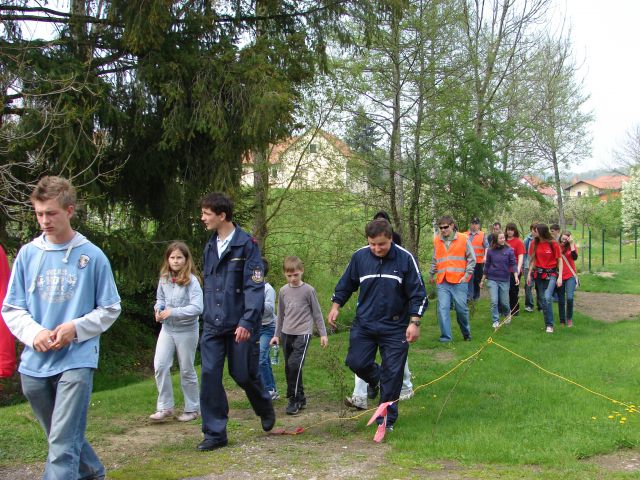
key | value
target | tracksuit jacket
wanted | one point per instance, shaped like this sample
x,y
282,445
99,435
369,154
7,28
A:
x,y
391,287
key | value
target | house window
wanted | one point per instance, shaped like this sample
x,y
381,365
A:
x,y
579,194
313,148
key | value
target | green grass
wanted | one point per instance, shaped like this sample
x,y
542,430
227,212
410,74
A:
x,y
497,413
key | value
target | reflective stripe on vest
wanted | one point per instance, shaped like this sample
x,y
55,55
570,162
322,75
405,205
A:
x,y
477,242
451,264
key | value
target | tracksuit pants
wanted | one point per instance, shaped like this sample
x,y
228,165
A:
x,y
295,350
364,343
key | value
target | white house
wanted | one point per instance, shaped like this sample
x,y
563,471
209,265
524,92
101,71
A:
x,y
315,160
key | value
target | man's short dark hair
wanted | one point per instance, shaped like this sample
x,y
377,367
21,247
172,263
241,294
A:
x,y
554,226
382,214
378,227
218,203
446,219
497,223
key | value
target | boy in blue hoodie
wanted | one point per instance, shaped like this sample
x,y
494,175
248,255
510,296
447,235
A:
x,y
61,297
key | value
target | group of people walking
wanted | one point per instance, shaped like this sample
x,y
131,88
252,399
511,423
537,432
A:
x,y
463,263
62,295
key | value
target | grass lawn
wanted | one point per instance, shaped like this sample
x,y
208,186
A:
x,y
495,416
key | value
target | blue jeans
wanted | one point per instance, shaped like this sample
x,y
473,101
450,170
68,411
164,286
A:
x,y
499,293
184,341
528,294
266,374
546,287
565,292
456,293
60,404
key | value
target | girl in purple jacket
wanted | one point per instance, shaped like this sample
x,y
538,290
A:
x,y
500,262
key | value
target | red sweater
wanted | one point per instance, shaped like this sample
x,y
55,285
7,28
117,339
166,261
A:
x,y
547,254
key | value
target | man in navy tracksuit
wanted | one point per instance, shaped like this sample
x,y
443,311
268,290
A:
x,y
391,300
233,303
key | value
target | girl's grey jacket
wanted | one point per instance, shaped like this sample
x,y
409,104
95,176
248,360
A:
x,y
185,302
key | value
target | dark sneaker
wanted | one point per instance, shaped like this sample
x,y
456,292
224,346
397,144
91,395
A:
x,y
467,338
302,404
372,391
293,408
208,444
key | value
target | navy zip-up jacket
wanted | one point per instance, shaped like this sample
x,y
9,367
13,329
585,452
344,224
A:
x,y
391,287
233,284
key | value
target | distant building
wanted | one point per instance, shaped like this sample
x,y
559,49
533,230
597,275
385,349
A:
x,y
316,160
540,186
605,187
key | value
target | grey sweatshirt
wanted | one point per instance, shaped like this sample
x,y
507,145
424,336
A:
x,y
298,310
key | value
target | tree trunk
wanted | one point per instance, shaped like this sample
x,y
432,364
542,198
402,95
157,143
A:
x,y
558,185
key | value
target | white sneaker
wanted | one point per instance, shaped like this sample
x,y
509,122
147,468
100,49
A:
x,y
496,324
356,402
161,415
549,329
188,416
406,395
274,395
528,309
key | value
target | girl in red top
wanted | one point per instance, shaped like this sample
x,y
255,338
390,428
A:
x,y
546,268
569,278
513,240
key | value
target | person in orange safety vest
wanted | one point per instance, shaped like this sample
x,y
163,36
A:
x,y
452,267
480,244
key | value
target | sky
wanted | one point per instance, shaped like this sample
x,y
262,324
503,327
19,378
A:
x,y
606,41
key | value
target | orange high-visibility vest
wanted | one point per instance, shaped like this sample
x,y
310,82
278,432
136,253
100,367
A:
x,y
477,242
451,264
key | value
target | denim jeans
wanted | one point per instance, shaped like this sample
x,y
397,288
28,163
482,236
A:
x,y
360,387
60,404
456,293
499,294
184,341
565,292
528,294
266,374
546,288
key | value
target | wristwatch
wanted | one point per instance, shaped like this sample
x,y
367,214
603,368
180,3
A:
x,y
415,322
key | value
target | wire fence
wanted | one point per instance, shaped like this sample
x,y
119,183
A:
x,y
602,248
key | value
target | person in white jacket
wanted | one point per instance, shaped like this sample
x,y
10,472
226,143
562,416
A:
x,y
178,307
61,297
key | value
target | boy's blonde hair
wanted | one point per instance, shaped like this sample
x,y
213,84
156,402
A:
x,y
291,264
183,277
58,188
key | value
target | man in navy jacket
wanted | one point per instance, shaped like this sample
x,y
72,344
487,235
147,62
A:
x,y
233,303
391,301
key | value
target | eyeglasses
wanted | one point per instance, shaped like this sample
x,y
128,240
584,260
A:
x,y
444,227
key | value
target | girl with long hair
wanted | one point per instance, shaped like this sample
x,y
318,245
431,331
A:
x,y
178,307
513,240
569,252
546,269
499,266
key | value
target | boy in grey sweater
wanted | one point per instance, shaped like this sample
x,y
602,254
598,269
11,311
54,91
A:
x,y
298,310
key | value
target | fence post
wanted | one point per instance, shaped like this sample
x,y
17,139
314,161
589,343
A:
x,y
635,242
620,245
603,232
589,250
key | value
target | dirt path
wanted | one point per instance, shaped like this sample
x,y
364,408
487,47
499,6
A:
x,y
608,307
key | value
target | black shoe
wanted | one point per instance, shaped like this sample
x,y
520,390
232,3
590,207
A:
x,y
268,420
293,408
302,404
467,338
209,444
372,391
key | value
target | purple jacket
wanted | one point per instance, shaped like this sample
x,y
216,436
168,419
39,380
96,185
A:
x,y
499,263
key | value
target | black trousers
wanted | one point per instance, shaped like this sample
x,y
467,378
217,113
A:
x,y
242,359
514,293
294,348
